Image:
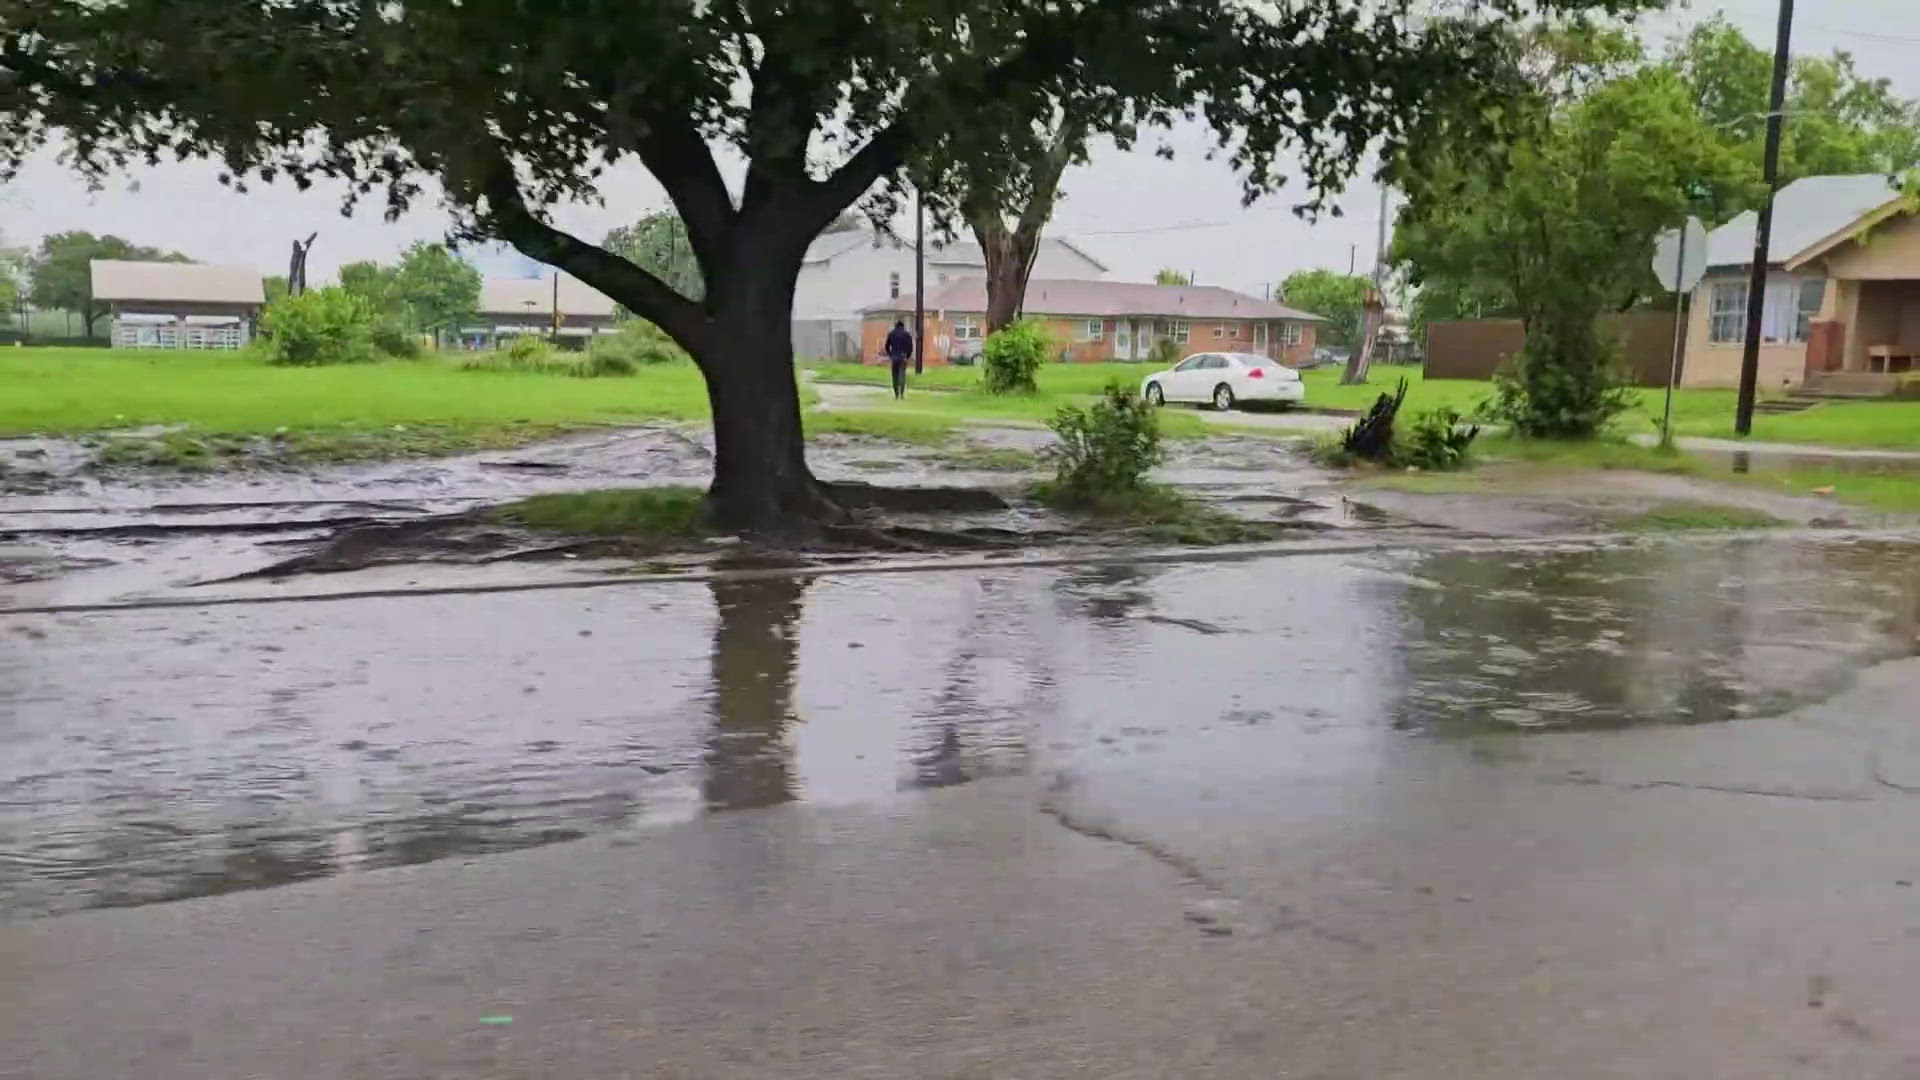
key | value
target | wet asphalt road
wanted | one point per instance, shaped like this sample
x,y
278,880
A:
x,y
1638,810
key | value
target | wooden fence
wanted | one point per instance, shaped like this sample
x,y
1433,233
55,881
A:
x,y
1476,348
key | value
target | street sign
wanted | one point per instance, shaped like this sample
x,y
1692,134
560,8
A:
x,y
1680,257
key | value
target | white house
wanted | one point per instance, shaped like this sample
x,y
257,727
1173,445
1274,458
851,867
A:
x,y
845,271
161,305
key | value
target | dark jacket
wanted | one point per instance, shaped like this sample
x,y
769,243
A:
x,y
899,344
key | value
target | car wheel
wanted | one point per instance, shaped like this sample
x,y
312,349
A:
x,y
1154,397
1223,398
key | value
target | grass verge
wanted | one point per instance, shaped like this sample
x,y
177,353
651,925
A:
x,y
1155,513
991,459
205,452
1587,454
663,513
920,428
1887,488
1690,516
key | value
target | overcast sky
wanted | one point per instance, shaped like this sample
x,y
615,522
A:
x,y
1135,211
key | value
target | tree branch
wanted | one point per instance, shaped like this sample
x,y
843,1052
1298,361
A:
x,y
676,155
642,293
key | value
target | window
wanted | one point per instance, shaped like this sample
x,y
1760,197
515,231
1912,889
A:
x,y
965,328
1813,293
1726,319
893,286
1193,363
1219,331
1180,331
1290,334
1215,363
1094,331
1786,317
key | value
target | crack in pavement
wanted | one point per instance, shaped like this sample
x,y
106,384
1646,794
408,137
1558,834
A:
x,y
1281,918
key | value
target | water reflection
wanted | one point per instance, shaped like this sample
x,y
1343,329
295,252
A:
x,y
1659,634
756,652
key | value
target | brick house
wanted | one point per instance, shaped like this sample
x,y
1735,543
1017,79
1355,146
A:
x,y
1106,321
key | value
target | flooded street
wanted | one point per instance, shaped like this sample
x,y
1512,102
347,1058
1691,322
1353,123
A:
x,y
1382,799
160,754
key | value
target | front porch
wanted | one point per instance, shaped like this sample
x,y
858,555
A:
x,y
1869,327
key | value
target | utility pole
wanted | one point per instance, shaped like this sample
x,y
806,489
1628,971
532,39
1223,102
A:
x,y
919,282
1763,228
1353,259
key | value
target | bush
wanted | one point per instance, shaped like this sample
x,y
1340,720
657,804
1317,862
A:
x,y
1565,384
636,344
1105,450
396,342
1436,442
533,354
1009,358
317,328
1165,353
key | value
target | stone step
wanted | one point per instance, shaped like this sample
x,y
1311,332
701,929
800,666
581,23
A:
x,y
1850,384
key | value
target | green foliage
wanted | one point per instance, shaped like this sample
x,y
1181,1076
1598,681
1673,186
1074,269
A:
x,y
534,355
1563,217
1836,121
1336,296
431,290
1565,384
319,328
638,513
1436,442
1010,357
1694,516
62,273
1106,449
397,343
637,343
659,243
1165,353
1167,275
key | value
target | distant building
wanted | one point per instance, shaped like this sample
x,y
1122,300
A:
x,y
1104,321
510,307
845,271
164,305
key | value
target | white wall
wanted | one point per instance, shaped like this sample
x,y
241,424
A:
x,y
859,276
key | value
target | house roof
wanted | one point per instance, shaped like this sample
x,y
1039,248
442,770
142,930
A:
x,y
523,296
1805,213
831,245
1109,298
166,282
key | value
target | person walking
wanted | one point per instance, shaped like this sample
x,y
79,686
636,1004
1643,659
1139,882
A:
x,y
899,352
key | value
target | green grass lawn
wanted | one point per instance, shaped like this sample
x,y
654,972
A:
x,y
77,390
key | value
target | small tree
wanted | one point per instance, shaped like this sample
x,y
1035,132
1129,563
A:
x,y
1565,217
1167,275
659,244
1010,358
438,289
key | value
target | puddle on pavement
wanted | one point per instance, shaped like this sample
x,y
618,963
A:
x,y
161,754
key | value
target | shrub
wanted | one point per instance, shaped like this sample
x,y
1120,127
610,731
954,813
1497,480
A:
x,y
637,343
319,327
533,354
396,342
1435,442
1105,450
1009,358
1565,384
1165,353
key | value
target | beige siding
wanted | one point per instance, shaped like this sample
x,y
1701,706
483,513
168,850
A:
x,y
1709,364
1891,252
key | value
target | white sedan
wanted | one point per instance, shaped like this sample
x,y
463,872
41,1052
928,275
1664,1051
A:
x,y
1224,380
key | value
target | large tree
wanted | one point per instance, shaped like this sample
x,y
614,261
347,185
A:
x,y
61,270
1336,296
658,244
430,290
512,107
1006,196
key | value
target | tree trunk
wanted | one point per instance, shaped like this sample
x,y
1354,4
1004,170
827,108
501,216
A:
x,y
761,483
1009,258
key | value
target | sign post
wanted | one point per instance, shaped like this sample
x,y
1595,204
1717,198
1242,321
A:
x,y
1679,261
